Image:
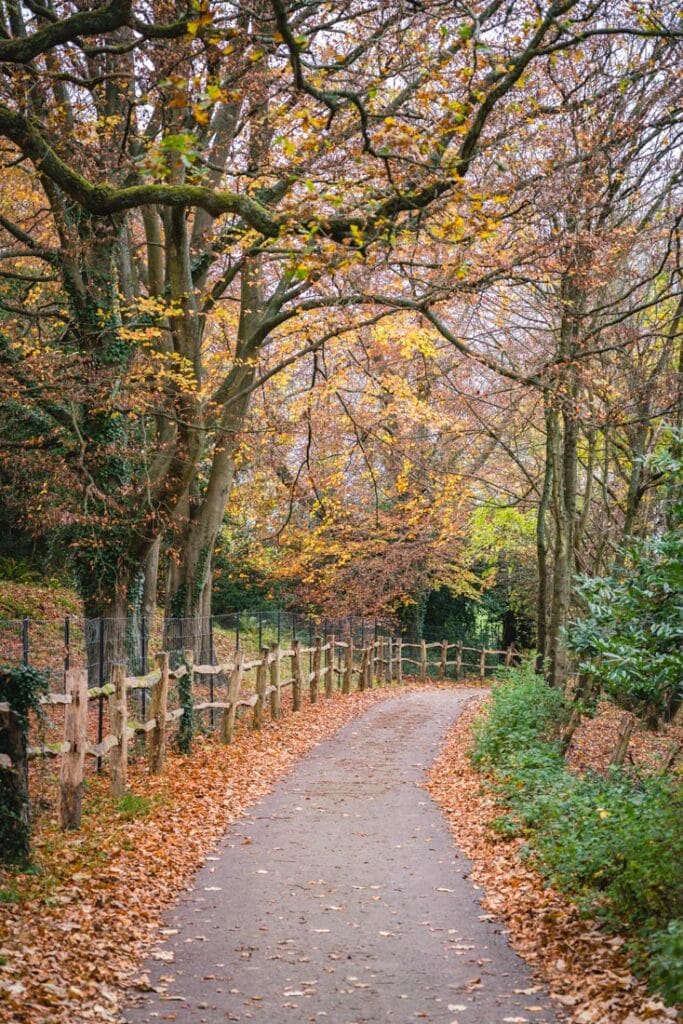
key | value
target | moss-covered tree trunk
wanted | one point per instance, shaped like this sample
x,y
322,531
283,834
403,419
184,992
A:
x,y
20,689
15,813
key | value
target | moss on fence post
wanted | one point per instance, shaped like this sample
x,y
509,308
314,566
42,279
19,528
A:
x,y
20,688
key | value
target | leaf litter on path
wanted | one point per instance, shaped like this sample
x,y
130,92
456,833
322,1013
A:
x,y
90,909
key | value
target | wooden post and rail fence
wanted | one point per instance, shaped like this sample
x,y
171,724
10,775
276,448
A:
x,y
334,665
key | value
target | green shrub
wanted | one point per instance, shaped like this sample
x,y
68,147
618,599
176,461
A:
x,y
522,714
614,843
665,954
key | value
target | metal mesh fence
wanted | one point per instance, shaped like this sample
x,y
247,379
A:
x,y
96,644
55,645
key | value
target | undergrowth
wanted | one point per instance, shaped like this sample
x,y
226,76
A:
x,y
613,843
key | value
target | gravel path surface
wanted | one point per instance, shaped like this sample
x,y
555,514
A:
x,y
341,898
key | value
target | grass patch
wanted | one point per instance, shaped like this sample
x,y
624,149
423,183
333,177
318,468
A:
x,y
613,843
133,806
9,895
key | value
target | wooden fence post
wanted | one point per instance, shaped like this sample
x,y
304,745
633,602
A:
x,y
671,756
508,657
363,677
399,659
262,673
159,710
482,663
423,661
390,660
458,659
380,660
329,667
571,727
314,683
347,684
234,686
76,735
297,676
118,705
444,659
276,657
626,728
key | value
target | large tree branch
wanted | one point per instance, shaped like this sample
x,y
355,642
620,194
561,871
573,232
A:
x,y
106,199
23,49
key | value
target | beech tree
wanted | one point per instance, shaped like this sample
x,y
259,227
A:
x,y
157,160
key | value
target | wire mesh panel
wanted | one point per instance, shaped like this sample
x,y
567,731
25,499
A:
x,y
98,644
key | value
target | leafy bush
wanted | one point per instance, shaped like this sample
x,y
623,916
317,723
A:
x,y
614,844
17,571
631,639
666,961
522,713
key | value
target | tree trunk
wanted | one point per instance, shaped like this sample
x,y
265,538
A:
x,y
542,543
15,816
149,592
106,632
565,513
189,590
565,458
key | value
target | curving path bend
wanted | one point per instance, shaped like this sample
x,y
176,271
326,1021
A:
x,y
341,898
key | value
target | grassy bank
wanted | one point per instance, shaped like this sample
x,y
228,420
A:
x,y
613,843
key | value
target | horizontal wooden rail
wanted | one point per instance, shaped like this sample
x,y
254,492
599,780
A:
x,y
379,660
48,750
143,682
100,691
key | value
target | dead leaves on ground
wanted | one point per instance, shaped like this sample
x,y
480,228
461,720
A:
x,y
585,969
594,741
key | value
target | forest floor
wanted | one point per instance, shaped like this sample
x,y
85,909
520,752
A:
x,y
74,929
596,738
586,969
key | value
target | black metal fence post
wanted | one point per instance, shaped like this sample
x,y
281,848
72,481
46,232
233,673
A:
x,y
100,702
25,641
211,678
143,655
67,644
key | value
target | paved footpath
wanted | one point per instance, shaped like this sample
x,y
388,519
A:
x,y
341,898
